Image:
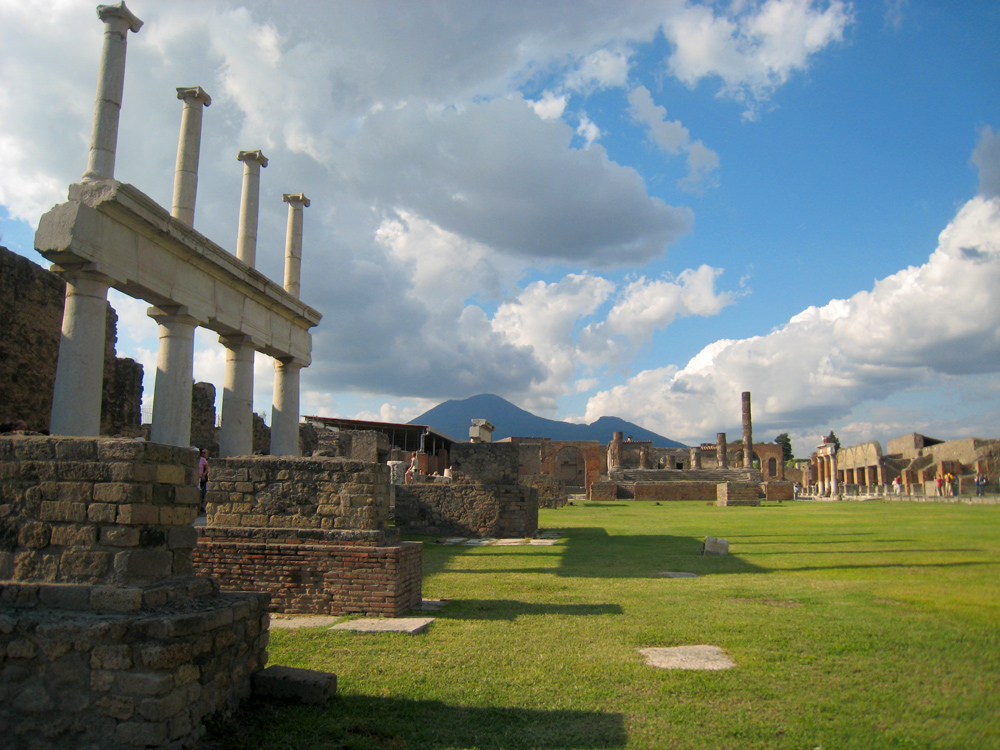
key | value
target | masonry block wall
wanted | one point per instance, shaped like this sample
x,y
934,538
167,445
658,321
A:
x,y
779,491
675,491
479,510
106,639
486,463
311,532
551,491
736,493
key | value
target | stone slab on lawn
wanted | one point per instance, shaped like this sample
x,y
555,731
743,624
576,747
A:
x,y
542,542
715,546
676,574
688,657
432,605
294,622
410,625
291,683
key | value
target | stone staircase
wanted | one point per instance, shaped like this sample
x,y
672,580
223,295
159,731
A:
x,y
717,476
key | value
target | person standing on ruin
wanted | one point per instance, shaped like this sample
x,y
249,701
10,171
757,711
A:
x,y
897,487
203,476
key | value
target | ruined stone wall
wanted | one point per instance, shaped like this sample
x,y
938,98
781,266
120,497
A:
x,y
299,493
487,463
203,431
478,510
779,491
31,306
551,492
106,638
312,532
675,491
737,493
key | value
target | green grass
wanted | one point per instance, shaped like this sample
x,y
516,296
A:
x,y
853,625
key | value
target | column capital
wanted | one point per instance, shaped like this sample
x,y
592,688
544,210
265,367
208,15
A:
x,y
197,93
289,363
235,340
107,13
249,157
296,199
179,314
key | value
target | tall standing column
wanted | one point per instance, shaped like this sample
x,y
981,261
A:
x,y
747,433
720,450
293,241
696,458
76,398
246,240
833,475
118,21
188,152
285,412
174,370
236,434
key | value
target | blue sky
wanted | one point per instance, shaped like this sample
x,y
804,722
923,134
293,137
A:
x,y
640,210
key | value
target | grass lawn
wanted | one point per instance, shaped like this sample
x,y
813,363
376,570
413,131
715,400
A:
x,y
853,625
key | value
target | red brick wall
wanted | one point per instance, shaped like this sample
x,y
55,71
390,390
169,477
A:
x,y
779,490
673,491
304,578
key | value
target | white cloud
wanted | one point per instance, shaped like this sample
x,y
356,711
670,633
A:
x,y
753,48
673,138
986,158
913,328
599,70
550,106
588,131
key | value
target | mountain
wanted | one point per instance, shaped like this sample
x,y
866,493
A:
x,y
455,417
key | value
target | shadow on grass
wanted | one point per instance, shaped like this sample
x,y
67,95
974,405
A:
x,y
510,609
367,723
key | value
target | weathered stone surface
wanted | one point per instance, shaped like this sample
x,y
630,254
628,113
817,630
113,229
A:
x,y
715,546
688,657
408,625
290,683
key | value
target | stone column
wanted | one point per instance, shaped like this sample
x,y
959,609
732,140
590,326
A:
x,y
236,433
293,241
696,458
747,433
833,475
118,21
76,398
720,450
285,412
174,368
188,151
246,240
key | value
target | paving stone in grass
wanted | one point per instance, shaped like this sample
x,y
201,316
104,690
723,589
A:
x,y
688,657
509,542
432,605
541,542
294,622
550,535
480,542
452,540
676,574
411,625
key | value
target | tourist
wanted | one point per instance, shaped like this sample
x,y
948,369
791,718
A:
x,y
203,476
897,487
940,482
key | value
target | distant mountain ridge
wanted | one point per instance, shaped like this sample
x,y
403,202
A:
x,y
454,418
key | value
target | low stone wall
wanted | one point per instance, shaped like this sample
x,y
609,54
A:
x,y
479,510
734,493
779,491
676,491
106,638
486,463
309,575
601,492
551,491
312,532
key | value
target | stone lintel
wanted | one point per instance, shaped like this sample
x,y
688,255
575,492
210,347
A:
x,y
296,199
179,313
195,93
118,10
115,229
252,156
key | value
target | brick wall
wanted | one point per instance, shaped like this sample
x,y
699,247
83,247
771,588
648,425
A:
x,y
106,637
675,491
737,493
467,509
315,578
779,491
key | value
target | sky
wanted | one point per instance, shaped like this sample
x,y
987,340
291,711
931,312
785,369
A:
x,y
588,208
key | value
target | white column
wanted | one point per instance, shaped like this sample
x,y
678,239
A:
x,y
833,475
236,434
293,241
174,369
76,398
285,412
246,240
118,21
188,151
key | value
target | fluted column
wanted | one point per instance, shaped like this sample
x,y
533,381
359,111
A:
x,y
174,371
285,411
293,241
236,433
833,475
76,398
118,21
246,240
188,152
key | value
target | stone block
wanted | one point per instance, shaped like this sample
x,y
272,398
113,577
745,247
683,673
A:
x,y
178,515
143,683
164,656
84,564
170,474
182,537
186,495
36,566
74,535
119,536
715,546
138,515
34,535
145,564
122,492
111,657
102,512
291,683
21,648
116,706
64,596
62,511
141,734
115,599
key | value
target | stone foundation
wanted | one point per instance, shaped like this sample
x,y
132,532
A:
x,y
732,493
311,532
106,638
779,491
551,491
467,509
